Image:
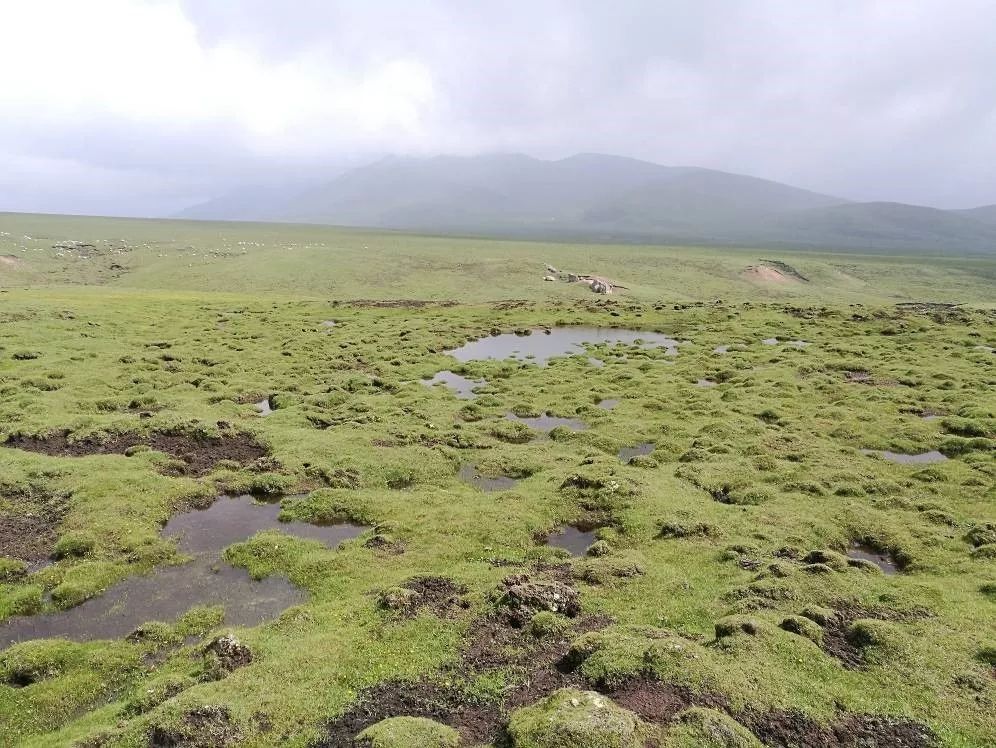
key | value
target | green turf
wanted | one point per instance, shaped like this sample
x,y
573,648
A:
x,y
232,313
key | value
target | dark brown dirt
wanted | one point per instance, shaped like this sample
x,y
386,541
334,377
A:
x,y
202,727
793,729
835,641
441,595
29,528
394,303
540,666
199,454
490,643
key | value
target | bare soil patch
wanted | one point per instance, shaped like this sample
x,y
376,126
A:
x,y
198,454
29,528
835,639
766,274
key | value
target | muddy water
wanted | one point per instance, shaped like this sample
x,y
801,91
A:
x,y
575,539
462,387
867,553
468,474
924,458
628,453
168,592
548,423
542,345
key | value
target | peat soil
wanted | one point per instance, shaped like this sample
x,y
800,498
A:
x,y
543,665
29,528
836,639
198,454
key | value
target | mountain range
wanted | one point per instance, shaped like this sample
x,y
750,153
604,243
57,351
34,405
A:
x,y
595,197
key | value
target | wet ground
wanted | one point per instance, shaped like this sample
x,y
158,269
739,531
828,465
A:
x,y
924,458
643,448
469,474
882,560
542,345
548,423
462,387
168,592
575,539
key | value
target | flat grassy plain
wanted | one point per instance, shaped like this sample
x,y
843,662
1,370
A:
x,y
719,587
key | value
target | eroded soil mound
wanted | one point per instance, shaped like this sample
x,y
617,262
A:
x,y
199,454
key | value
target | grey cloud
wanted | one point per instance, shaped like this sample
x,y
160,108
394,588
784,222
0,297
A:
x,y
870,100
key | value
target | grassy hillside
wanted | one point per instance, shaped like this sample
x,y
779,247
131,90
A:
x,y
347,264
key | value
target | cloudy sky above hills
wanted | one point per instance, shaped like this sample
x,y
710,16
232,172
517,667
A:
x,y
141,107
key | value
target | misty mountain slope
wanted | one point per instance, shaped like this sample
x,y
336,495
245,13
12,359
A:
x,y
705,203
984,213
885,225
599,197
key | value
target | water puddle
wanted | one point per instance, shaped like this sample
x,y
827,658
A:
x,y
705,383
608,403
168,592
575,539
863,552
263,406
542,345
548,423
770,341
628,453
924,458
468,474
798,343
462,387
596,362
721,349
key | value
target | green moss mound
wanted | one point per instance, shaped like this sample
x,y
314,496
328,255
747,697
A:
x,y
406,732
570,718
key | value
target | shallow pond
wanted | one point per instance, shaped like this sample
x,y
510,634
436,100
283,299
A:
x,y
575,539
168,592
462,387
643,448
608,403
924,458
864,552
469,474
548,423
542,345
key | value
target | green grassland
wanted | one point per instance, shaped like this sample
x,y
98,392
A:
x,y
702,576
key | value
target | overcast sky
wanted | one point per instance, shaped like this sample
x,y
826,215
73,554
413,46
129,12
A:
x,y
141,107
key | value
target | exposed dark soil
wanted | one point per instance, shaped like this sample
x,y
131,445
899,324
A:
x,y
490,643
836,642
28,530
792,729
542,667
199,454
441,595
202,727
394,303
